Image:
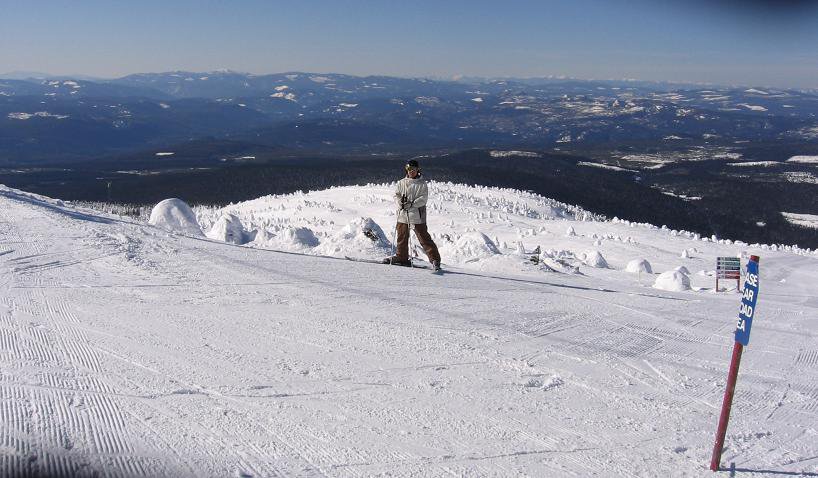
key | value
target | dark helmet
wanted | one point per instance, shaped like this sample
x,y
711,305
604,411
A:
x,y
412,164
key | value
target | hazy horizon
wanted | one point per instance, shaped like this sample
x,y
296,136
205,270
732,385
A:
x,y
26,75
758,43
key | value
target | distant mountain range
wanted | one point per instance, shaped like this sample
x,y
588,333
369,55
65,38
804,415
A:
x,y
63,120
714,159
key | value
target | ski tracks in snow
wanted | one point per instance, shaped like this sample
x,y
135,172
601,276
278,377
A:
x,y
65,418
127,351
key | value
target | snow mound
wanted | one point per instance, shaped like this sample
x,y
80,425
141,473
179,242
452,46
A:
x,y
228,228
290,238
559,261
360,235
472,246
570,232
673,281
595,259
639,265
299,237
263,237
175,215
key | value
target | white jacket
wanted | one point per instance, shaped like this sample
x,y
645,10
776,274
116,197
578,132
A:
x,y
413,209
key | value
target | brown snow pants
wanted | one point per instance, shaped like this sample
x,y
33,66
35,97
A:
x,y
422,233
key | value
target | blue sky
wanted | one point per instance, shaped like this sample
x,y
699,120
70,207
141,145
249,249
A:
x,y
720,41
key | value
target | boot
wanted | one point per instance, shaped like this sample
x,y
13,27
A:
x,y
397,262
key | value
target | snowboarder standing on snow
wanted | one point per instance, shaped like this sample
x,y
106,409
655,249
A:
x,y
411,195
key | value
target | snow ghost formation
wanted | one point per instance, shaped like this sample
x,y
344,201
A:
x,y
174,215
595,259
297,237
673,281
639,265
364,231
360,234
228,228
474,245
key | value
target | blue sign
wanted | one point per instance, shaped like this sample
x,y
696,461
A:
x,y
748,304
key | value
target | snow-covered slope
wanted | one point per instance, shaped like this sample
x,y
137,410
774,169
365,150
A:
x,y
332,223
126,350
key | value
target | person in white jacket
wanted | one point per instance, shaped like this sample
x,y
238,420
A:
x,y
411,195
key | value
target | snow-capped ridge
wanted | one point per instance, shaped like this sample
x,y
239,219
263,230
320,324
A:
x,y
472,225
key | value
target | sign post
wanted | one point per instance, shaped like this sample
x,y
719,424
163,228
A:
x,y
745,321
728,268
